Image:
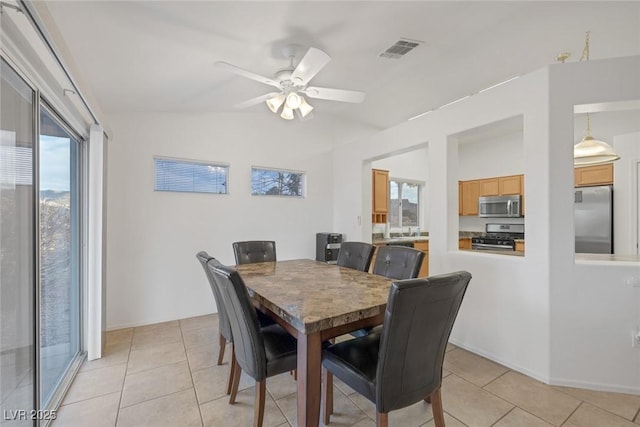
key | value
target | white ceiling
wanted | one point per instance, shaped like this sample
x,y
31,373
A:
x,y
159,55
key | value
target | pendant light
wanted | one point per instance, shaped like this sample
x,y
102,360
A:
x,y
591,151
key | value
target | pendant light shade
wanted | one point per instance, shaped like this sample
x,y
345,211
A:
x,y
591,151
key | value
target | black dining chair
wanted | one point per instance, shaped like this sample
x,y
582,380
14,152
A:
x,y
253,251
356,255
395,262
398,262
224,328
260,352
400,364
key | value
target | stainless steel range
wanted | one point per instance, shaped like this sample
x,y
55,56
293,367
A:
x,y
499,237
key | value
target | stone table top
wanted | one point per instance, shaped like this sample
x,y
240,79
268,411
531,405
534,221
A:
x,y
313,296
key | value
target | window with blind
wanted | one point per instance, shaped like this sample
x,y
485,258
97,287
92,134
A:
x,y
190,176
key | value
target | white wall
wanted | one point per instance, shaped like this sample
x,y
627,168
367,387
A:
x,y
625,193
154,236
535,313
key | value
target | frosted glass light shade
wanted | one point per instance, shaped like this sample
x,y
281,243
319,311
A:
x,y
287,113
275,102
590,151
294,100
304,108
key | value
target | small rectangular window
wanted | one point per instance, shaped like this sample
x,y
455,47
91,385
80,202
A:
x,y
274,182
404,203
190,176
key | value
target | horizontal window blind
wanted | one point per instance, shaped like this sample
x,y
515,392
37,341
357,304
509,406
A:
x,y
190,176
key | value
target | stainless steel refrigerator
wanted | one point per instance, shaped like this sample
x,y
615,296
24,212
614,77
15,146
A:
x,y
594,219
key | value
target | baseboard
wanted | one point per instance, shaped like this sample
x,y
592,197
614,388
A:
x,y
152,322
506,363
562,382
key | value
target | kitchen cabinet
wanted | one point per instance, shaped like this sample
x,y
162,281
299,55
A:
x,y
380,208
510,185
593,175
424,247
489,187
464,243
469,191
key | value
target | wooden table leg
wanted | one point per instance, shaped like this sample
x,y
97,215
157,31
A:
x,y
309,363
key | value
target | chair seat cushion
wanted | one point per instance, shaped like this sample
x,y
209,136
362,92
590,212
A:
x,y
355,363
280,350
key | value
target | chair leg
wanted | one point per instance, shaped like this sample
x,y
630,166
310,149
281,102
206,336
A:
x,y
258,414
236,381
428,399
382,419
327,401
436,407
232,367
223,342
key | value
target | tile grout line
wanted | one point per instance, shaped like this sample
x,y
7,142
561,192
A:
x,y
193,384
126,369
636,419
572,412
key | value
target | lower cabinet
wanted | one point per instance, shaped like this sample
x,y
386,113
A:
x,y
464,243
424,247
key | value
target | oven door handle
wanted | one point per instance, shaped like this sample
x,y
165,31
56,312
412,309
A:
x,y
489,246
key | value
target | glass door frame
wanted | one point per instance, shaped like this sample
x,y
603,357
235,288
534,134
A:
x,y
81,175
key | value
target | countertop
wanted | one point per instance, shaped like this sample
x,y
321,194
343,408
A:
x,y
586,258
508,253
377,239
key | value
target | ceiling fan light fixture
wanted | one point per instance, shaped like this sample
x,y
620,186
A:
x,y
304,108
275,102
293,100
287,113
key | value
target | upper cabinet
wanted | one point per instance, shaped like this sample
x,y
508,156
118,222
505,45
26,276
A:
x,y
380,208
470,191
594,175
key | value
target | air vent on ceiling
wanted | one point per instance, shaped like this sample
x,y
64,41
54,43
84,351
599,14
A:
x,y
400,48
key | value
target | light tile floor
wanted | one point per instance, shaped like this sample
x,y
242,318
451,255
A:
x,y
165,375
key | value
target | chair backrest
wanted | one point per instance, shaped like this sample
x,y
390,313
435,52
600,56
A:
x,y
254,251
247,338
398,262
417,323
356,255
223,318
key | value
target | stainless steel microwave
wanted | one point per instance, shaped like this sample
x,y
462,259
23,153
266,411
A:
x,y
500,207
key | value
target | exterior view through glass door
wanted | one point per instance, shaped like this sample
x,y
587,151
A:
x,y
17,246
60,243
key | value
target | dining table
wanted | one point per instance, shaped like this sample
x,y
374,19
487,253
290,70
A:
x,y
315,301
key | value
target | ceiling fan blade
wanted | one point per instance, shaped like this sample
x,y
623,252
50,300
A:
x,y
256,100
335,94
248,74
312,62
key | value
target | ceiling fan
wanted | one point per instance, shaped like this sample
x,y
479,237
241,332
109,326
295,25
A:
x,y
293,83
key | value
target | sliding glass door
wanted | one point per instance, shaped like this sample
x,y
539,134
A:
x,y
40,253
60,267
17,249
